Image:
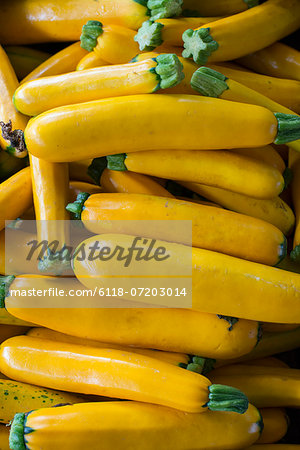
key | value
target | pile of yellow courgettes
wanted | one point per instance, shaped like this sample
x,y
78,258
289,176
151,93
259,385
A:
x,y
151,110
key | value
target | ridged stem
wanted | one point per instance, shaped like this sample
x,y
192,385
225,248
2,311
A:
x,y
288,128
5,283
76,207
149,35
169,70
90,33
160,9
16,138
55,263
226,398
16,435
209,82
96,168
199,45
117,162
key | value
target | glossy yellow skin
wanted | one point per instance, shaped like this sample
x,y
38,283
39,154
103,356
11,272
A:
x,y
221,284
294,164
106,372
222,169
89,61
171,33
264,386
277,60
116,45
283,91
275,425
216,7
4,434
168,329
20,397
51,20
45,333
78,170
63,61
274,211
75,187
150,426
131,183
25,59
46,93
15,196
249,31
237,92
8,84
212,228
50,185
266,154
169,121
8,331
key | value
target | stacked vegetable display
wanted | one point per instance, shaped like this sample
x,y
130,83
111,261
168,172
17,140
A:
x,y
144,116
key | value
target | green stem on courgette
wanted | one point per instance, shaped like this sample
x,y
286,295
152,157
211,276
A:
x,y
5,283
169,70
226,398
76,207
199,45
288,129
209,82
117,162
16,435
160,9
149,35
55,263
96,168
90,33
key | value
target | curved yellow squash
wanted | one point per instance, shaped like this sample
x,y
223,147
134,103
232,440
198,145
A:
x,y
78,426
